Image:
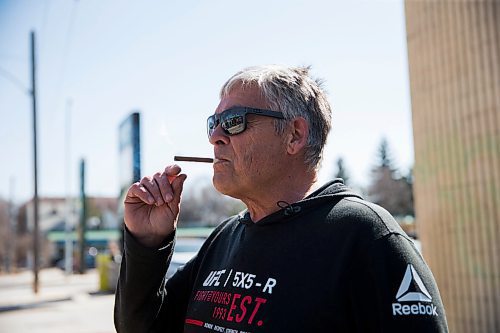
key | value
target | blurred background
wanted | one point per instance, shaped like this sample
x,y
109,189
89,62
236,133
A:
x,y
120,87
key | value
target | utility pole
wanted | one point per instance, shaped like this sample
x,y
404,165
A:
x,y
83,218
68,244
12,231
36,245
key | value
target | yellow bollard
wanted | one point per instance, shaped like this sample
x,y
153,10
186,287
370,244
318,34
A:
x,y
103,261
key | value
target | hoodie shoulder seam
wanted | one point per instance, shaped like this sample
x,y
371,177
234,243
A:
x,y
380,218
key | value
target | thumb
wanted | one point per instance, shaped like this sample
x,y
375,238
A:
x,y
177,186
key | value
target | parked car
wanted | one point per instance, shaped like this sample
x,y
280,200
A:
x,y
185,249
89,257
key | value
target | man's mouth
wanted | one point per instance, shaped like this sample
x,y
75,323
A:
x,y
220,160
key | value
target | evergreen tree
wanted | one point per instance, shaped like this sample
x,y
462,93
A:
x,y
384,155
387,188
341,171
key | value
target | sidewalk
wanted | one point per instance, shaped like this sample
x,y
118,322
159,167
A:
x,y
63,304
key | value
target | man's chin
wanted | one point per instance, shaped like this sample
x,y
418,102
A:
x,y
224,186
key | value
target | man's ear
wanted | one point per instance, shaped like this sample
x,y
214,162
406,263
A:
x,y
297,135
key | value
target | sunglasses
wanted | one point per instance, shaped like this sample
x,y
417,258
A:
x,y
234,120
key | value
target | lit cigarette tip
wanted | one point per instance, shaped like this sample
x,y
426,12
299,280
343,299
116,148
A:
x,y
193,159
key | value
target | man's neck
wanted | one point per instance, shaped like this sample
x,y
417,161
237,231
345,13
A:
x,y
288,189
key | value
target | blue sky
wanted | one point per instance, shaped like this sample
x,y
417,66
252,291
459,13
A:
x,y
100,60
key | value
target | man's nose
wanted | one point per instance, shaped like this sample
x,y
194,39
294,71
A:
x,y
218,136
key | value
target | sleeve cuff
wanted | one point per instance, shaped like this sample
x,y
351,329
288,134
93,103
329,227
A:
x,y
135,249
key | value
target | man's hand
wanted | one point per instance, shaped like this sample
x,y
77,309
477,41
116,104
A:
x,y
152,206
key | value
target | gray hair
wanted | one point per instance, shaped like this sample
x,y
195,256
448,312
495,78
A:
x,y
293,92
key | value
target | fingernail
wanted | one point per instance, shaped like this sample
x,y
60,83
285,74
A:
x,y
168,197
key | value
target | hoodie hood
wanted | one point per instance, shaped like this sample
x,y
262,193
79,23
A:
x,y
332,191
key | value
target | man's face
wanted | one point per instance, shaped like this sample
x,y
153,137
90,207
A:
x,y
246,162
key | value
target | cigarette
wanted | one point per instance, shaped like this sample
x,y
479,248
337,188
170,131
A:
x,y
193,159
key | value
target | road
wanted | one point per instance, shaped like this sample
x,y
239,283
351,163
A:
x,y
63,304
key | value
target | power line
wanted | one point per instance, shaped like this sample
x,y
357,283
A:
x,y
66,50
14,80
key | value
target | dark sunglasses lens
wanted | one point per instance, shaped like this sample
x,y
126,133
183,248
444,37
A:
x,y
211,125
233,123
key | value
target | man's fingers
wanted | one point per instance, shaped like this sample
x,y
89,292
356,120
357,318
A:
x,y
153,189
177,186
172,171
140,192
164,186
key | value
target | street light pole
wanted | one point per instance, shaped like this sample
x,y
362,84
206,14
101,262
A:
x,y
36,245
83,218
68,244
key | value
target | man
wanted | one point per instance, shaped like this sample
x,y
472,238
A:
x,y
301,258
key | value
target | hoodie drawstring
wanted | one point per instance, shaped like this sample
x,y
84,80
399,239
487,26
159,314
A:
x,y
289,208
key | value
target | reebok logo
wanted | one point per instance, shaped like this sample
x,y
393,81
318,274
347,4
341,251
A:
x,y
412,289
405,294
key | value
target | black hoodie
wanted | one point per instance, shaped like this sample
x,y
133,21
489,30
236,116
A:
x,y
329,263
